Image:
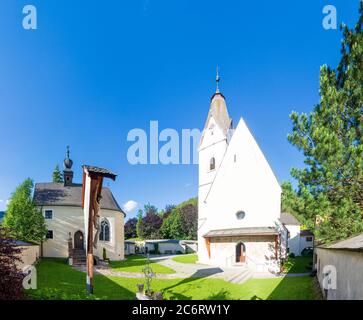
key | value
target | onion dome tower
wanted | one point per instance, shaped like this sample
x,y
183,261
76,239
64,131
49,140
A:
x,y
67,172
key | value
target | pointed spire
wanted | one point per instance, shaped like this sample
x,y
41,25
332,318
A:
x,y
218,78
217,93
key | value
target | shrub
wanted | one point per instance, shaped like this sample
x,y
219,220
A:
x,y
57,294
292,255
104,255
11,278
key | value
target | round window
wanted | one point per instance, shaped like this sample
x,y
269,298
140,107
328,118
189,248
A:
x,y
240,215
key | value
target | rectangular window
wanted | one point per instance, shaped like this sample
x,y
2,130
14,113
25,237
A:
x,y
48,214
309,239
49,234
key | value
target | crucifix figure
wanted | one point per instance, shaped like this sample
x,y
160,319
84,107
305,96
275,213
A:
x,y
91,203
96,218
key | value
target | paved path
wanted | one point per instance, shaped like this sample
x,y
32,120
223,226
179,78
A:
x,y
238,274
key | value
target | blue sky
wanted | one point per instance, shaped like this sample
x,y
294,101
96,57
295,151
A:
x,y
93,70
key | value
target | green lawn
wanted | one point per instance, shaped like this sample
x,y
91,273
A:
x,y
57,280
136,263
298,264
186,258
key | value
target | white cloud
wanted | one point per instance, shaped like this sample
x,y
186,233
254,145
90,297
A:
x,y
130,205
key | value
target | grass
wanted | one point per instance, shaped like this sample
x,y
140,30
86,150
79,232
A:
x,y
298,264
186,258
136,263
54,275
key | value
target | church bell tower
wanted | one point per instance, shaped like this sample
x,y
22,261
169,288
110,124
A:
x,y
68,172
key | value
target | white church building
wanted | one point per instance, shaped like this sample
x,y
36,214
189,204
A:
x,y
239,196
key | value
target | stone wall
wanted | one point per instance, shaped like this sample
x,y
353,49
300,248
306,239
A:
x,y
29,255
260,251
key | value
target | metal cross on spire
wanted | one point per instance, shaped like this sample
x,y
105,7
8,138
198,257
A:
x,y
67,152
218,78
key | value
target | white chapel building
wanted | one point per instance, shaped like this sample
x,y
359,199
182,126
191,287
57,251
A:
x,y
239,196
61,205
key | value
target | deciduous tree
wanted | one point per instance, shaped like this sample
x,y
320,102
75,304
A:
x,y
10,276
130,228
22,218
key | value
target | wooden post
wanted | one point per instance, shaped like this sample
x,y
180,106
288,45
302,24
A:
x,y
91,195
94,187
207,242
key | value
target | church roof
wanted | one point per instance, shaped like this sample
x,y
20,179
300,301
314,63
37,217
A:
x,y
306,233
218,111
256,231
288,219
353,244
101,171
57,194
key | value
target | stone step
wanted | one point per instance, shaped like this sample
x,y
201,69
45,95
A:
x,y
79,251
79,261
241,276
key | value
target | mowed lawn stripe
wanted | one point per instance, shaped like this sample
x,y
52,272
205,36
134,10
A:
x,y
136,263
57,280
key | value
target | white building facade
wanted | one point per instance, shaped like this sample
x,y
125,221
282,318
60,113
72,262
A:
x,y
61,205
239,196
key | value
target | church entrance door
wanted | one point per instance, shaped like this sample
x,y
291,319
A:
x,y
78,240
240,252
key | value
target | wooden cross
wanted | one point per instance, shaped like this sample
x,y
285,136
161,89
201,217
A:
x,y
91,198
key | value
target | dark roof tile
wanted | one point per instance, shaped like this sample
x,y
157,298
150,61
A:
x,y
288,219
57,194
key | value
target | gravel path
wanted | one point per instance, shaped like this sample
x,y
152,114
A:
x,y
187,270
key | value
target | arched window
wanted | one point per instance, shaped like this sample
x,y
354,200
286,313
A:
x,y
105,230
212,164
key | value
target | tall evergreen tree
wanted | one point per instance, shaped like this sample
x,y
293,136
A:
x,y
22,218
329,194
57,175
138,224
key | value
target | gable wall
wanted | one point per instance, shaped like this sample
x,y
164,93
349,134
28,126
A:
x,y
246,184
70,219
